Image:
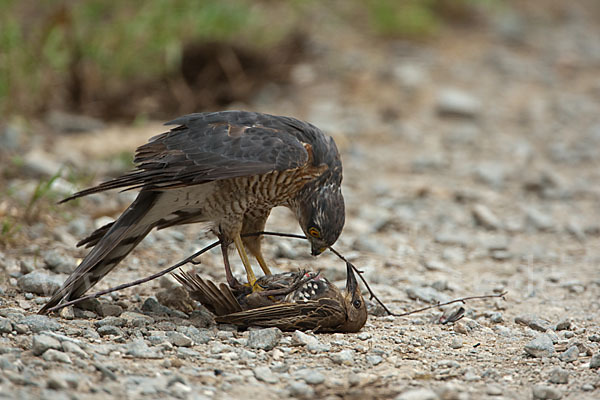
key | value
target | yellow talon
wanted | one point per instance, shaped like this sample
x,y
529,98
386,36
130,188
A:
x,y
263,264
242,252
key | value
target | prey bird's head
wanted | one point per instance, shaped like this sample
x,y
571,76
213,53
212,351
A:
x,y
321,214
356,309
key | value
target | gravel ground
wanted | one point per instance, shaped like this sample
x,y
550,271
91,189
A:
x,y
471,167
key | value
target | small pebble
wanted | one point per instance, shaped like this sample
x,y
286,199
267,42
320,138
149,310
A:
x,y
570,354
301,390
264,373
310,376
485,217
417,394
595,361
55,355
40,282
544,392
179,339
344,357
456,343
5,325
264,339
494,390
105,330
41,343
558,375
541,346
374,359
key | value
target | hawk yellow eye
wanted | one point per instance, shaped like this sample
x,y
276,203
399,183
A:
x,y
314,232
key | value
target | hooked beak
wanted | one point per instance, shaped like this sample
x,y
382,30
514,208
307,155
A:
x,y
315,251
351,282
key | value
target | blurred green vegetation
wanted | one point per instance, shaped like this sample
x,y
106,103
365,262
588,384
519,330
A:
x,y
49,49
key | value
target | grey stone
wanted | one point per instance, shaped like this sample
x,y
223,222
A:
x,y
58,262
179,339
105,330
533,322
264,373
310,376
38,323
55,355
570,354
218,348
494,390
40,282
455,102
5,325
37,162
456,343
545,392
136,320
301,389
558,375
496,317
264,339
344,357
73,348
538,220
418,394
453,238
541,346
563,325
374,359
485,217
588,387
139,349
595,361
105,310
300,338
199,336
56,382
186,352
111,320
594,338
41,343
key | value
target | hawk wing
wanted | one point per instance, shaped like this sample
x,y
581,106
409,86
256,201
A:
x,y
213,146
318,315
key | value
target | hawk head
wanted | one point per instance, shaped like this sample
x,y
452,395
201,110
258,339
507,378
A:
x,y
321,215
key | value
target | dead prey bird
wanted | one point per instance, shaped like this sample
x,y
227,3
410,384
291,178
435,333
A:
x,y
228,169
289,301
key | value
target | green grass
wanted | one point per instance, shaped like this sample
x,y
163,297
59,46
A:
x,y
421,18
42,41
43,190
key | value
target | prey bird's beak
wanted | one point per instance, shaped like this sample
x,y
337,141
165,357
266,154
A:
x,y
351,282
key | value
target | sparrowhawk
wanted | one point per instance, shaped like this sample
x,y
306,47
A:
x,y
228,168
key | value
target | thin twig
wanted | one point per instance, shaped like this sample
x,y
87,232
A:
x,y
136,282
461,300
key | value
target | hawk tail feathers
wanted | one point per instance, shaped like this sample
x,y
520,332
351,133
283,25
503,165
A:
x,y
116,243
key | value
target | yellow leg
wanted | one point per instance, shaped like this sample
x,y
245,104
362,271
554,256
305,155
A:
x,y
242,252
262,263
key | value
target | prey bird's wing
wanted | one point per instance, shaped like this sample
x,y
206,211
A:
x,y
319,315
206,147
219,301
